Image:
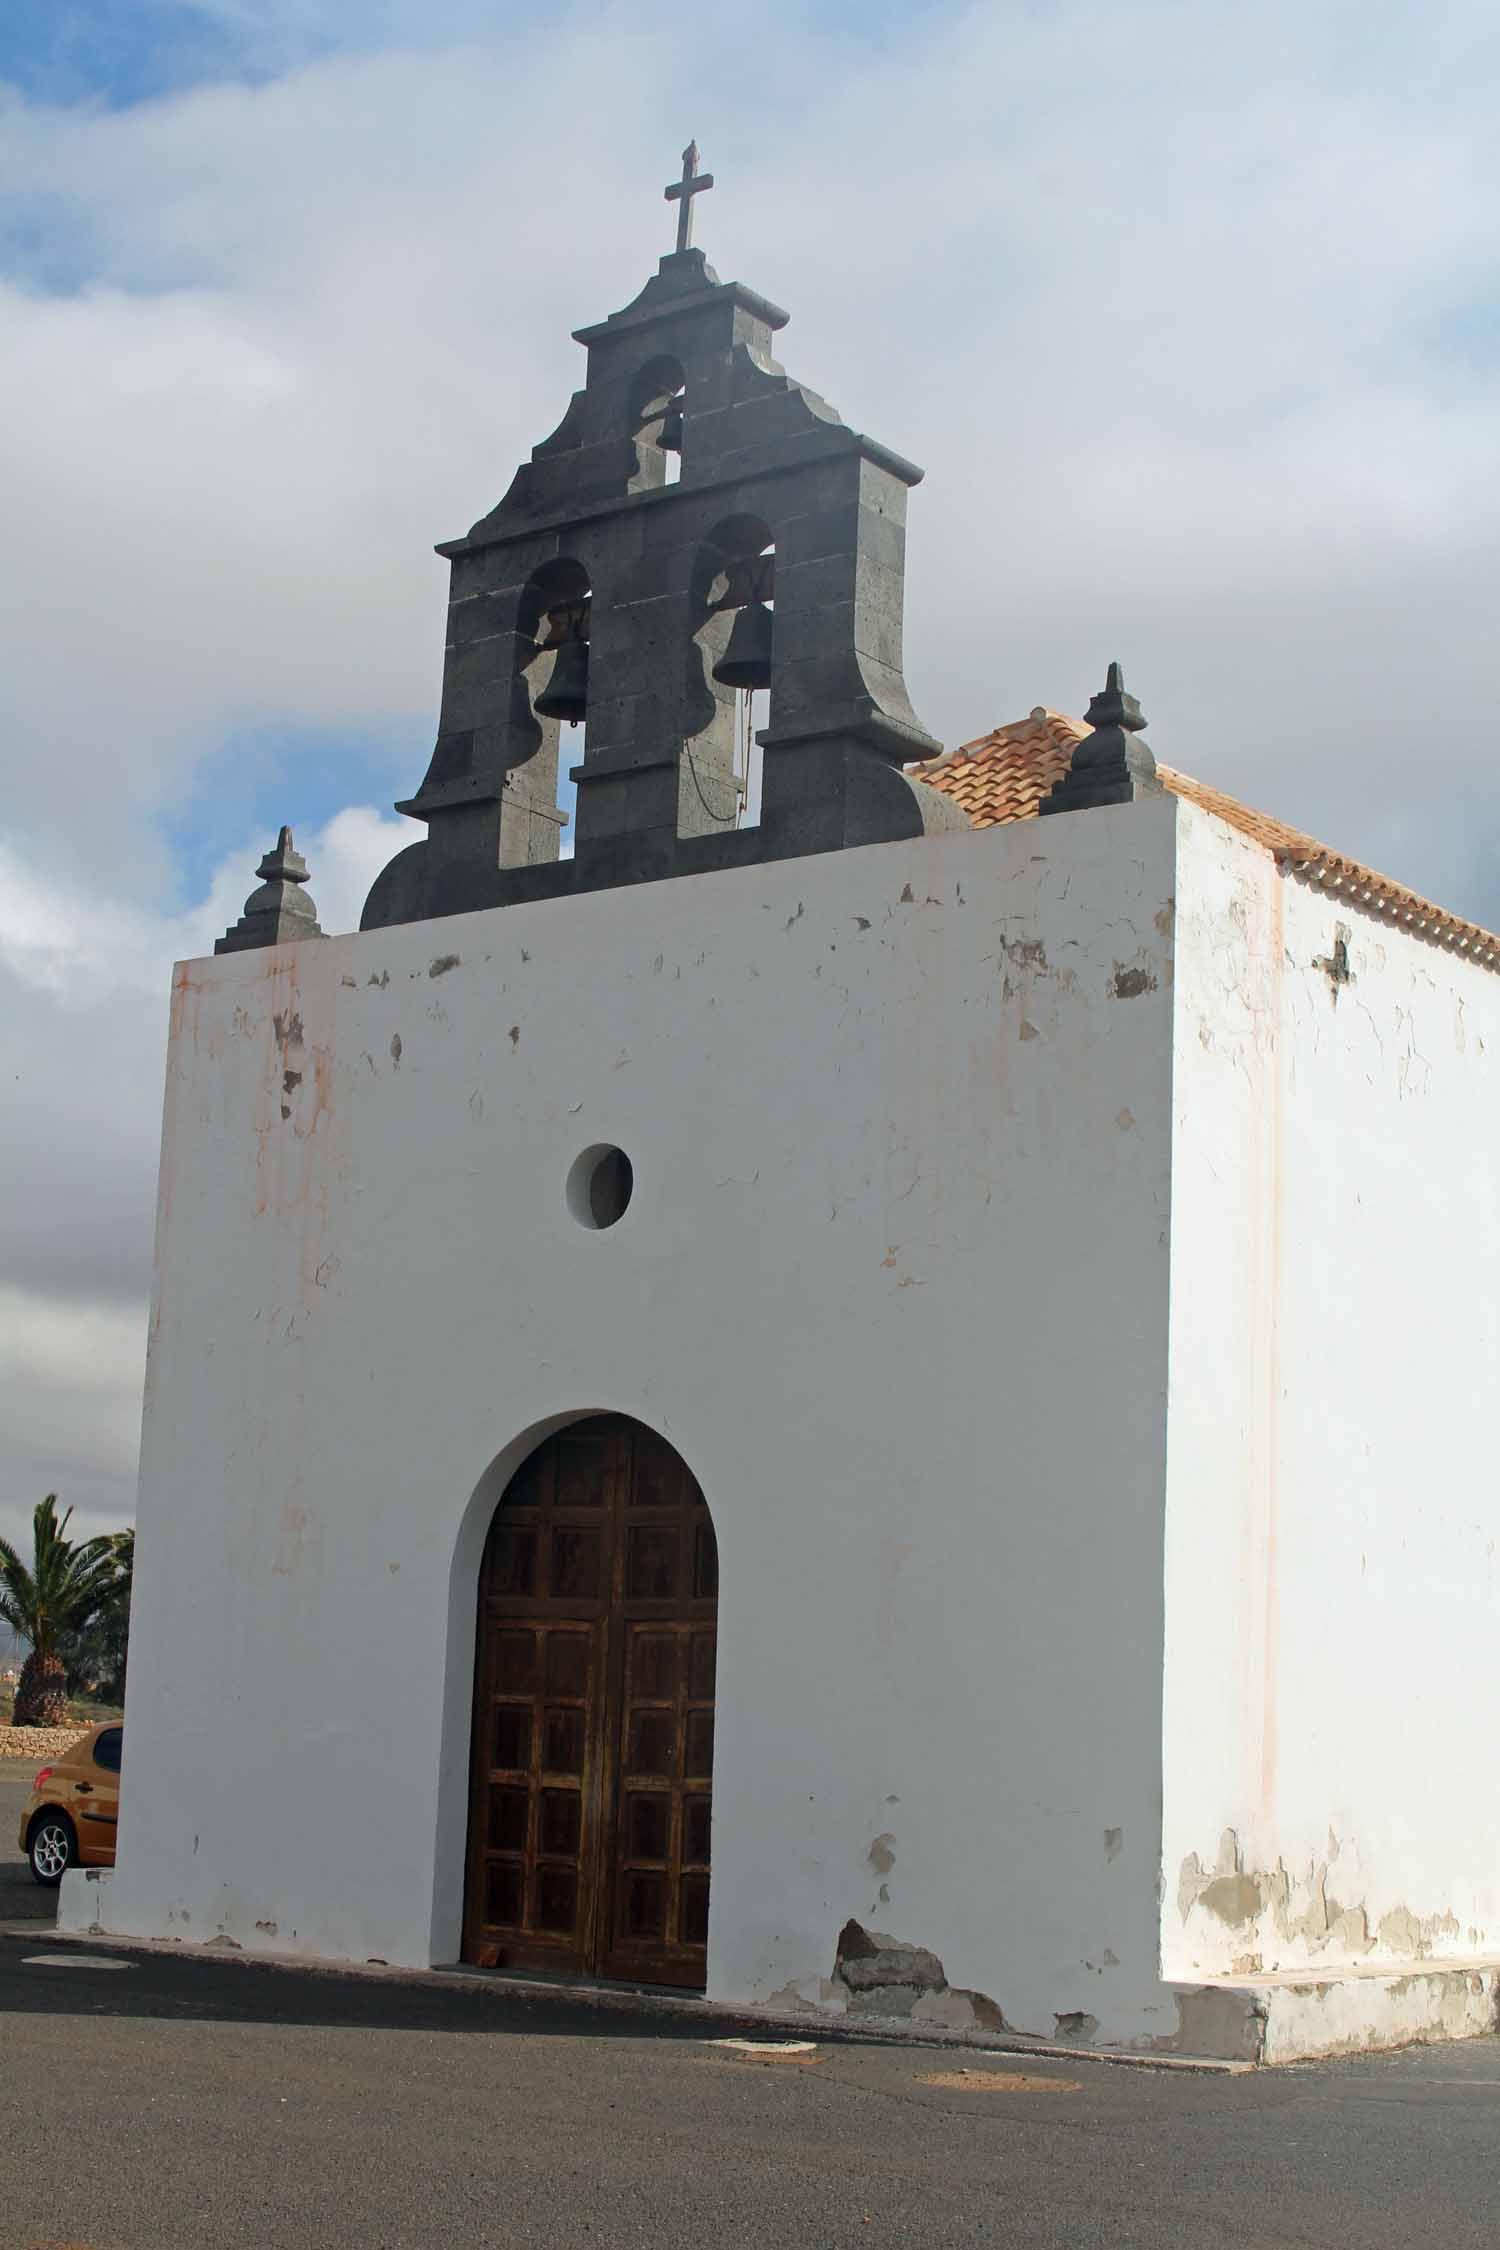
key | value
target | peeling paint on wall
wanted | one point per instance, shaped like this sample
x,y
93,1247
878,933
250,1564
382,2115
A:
x,y
1252,1921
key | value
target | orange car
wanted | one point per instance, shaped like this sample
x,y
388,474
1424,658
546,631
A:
x,y
74,1807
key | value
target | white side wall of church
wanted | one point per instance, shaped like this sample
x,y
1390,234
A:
x,y
893,1280
1333,1589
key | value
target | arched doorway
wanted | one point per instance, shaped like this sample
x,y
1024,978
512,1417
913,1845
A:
x,y
589,1806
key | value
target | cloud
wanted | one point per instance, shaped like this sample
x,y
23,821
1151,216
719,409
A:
x,y
84,986
1175,379
46,1345
1190,312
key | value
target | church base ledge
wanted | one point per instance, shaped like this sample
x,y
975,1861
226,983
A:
x,y
1360,2010
1233,2024
77,1925
100,1903
82,1901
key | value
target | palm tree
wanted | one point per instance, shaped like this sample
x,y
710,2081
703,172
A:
x,y
65,1586
94,1656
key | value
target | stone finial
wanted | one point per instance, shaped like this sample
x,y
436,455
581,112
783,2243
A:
x,y
280,912
1108,767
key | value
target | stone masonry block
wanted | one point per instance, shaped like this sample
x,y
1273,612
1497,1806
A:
x,y
877,635
803,633
880,544
483,617
807,582
815,532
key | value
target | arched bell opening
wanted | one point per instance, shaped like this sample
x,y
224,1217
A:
x,y
735,596
552,660
592,1776
657,398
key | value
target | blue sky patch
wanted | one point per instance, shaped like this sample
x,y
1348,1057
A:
x,y
117,52
289,772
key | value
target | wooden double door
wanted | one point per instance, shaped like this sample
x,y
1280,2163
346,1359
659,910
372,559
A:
x,y
590,1806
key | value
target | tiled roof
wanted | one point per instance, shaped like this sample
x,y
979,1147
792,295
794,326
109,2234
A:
x,y
1004,775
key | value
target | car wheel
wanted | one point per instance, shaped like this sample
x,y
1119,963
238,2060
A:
x,y
53,1848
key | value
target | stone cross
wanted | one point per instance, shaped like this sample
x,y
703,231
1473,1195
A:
x,y
682,191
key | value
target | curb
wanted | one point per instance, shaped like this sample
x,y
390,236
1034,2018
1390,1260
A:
x,y
651,2001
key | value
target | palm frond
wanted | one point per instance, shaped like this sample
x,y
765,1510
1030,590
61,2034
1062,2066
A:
x,y
67,1584
17,1591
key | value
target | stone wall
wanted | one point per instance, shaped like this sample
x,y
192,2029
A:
x,y
38,1742
1333,1552
892,1280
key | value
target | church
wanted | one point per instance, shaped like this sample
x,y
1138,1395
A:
x,y
870,1394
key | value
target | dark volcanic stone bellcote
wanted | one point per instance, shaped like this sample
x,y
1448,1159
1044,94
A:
x,y
599,584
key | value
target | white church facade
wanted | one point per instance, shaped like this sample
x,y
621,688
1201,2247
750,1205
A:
x,y
887,1414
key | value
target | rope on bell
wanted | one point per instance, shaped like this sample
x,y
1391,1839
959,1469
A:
x,y
744,748
725,819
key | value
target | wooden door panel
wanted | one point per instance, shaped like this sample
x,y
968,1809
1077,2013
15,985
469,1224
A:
x,y
663,1805
667,1602
532,1857
591,1810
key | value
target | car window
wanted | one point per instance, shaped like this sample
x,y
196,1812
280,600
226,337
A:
x,y
107,1749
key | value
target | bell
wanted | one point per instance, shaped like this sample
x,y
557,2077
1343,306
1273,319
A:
x,y
669,437
746,662
566,694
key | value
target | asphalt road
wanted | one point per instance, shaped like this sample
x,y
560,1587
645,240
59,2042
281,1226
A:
x,y
189,2101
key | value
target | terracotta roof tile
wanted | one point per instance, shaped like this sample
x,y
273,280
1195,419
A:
x,y
1004,775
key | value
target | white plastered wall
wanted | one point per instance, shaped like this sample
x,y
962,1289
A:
x,y
893,1280
1333,1602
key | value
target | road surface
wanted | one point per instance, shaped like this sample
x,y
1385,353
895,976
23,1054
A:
x,y
191,2102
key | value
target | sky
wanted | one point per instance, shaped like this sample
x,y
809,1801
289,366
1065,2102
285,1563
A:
x,y
1191,311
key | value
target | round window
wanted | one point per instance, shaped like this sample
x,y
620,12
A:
x,y
599,1185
